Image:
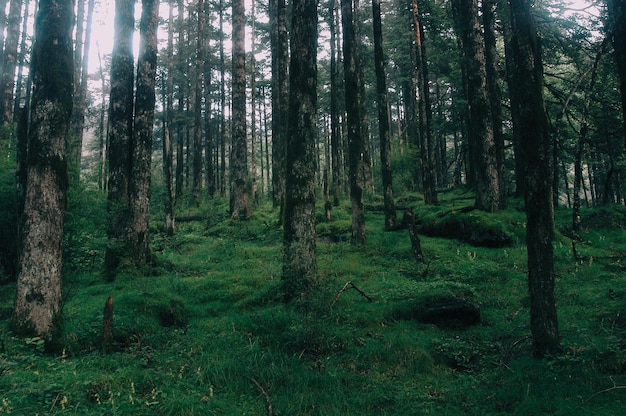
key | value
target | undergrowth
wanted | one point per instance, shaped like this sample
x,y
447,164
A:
x,y
203,332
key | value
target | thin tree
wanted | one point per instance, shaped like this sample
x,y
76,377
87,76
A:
x,y
533,132
139,236
300,262
168,159
120,135
354,121
38,306
22,52
335,127
239,198
10,61
197,113
480,128
383,118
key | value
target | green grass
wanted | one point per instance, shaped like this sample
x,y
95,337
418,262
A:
x,y
202,332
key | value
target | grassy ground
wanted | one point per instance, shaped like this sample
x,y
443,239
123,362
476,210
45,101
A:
x,y
202,333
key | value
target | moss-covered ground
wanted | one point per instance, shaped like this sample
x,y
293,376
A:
x,y
203,332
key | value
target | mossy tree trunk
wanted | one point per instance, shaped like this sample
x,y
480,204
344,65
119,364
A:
x,y
145,99
300,262
335,127
168,158
480,128
356,150
533,133
384,132
197,113
38,291
120,134
239,195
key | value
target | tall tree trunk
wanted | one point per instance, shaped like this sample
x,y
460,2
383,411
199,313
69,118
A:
x,y
142,132
74,141
280,97
383,118
300,263
180,137
10,61
533,131
354,121
38,292
253,114
427,142
239,196
495,96
120,135
197,119
168,160
335,127
222,104
480,126
19,100
617,26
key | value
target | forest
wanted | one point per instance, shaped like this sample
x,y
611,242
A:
x,y
313,207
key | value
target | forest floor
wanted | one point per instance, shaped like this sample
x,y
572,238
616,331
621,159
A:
x,y
202,332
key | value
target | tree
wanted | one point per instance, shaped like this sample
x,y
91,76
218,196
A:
x,y
239,198
533,132
383,118
280,97
617,19
300,262
197,119
354,120
38,293
120,134
139,237
10,61
480,129
168,158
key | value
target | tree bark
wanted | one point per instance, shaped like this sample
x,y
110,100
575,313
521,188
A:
x,y
197,114
300,263
335,127
38,293
280,97
142,133
239,195
168,159
533,132
10,61
354,121
119,151
480,129
383,119
617,27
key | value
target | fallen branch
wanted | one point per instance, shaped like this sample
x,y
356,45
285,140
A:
x,y
270,408
350,285
615,387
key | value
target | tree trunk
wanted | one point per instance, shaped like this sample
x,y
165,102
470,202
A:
x,y
38,293
300,263
168,160
480,129
383,119
354,121
142,132
427,142
19,99
10,61
222,105
533,132
253,114
280,57
119,151
197,113
239,198
617,19
495,96
335,127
